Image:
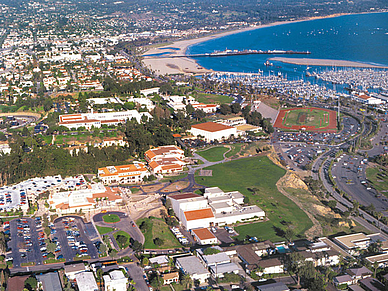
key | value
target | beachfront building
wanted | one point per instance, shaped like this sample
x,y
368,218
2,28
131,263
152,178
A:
x,y
365,99
96,120
126,174
211,131
165,159
83,199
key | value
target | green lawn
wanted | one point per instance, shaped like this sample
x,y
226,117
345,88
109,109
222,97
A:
x,y
111,218
158,228
123,233
213,98
378,176
213,154
306,116
259,174
235,150
103,230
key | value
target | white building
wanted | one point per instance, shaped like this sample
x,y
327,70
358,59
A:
x,y
72,270
204,236
192,265
211,131
115,281
127,174
83,199
86,281
367,99
214,208
89,120
5,149
150,91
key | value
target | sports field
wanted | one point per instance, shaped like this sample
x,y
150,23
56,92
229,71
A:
x,y
310,119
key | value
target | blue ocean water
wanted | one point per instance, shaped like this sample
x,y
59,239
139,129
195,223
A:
x,y
359,37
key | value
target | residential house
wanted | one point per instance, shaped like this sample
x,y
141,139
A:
x,y
192,265
73,269
169,278
341,280
49,281
359,273
115,281
270,266
86,281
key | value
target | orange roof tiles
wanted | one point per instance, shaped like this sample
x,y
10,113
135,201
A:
x,y
211,126
203,233
129,170
199,214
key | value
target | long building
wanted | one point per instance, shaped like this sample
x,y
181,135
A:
x,y
96,120
211,131
127,174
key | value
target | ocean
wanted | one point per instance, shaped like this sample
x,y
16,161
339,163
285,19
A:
x,y
358,37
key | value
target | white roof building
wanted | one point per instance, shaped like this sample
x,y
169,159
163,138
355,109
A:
x,y
115,281
191,265
86,281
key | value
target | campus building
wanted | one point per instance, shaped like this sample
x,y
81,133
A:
x,y
211,131
83,199
165,159
126,174
214,208
96,120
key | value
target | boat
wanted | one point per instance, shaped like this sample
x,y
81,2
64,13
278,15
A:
x,y
268,64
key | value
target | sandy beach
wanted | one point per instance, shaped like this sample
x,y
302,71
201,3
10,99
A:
x,y
164,65
325,62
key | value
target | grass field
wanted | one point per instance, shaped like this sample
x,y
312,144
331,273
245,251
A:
x,y
213,154
235,148
123,233
378,176
103,230
158,228
111,218
308,117
213,98
256,178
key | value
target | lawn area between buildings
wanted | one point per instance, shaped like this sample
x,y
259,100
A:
x,y
214,154
103,229
213,98
111,218
157,228
256,179
378,176
124,243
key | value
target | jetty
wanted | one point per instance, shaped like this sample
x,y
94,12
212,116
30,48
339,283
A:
x,y
227,53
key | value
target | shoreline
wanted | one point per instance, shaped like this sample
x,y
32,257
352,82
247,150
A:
x,y
186,65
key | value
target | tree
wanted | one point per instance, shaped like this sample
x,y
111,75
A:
x,y
31,283
289,234
295,262
235,108
137,246
225,109
113,253
122,240
158,241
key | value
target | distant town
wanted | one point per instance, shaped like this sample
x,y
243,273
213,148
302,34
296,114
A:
x,y
121,172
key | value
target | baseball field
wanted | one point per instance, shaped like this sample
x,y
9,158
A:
x,y
309,119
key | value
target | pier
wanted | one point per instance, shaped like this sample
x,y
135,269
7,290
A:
x,y
227,53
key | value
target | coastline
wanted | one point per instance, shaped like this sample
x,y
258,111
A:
x,y
157,58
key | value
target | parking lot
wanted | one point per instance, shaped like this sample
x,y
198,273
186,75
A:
x,y
73,236
300,154
27,240
224,235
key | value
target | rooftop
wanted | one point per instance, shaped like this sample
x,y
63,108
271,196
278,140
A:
x,y
184,196
211,126
203,233
350,240
192,265
199,214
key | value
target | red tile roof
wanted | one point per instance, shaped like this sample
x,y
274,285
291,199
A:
x,y
199,214
203,233
211,126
